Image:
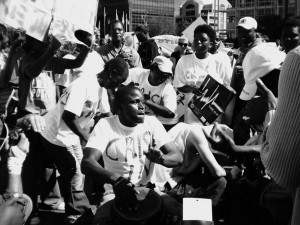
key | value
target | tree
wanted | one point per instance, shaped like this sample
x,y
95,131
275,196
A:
x,y
159,25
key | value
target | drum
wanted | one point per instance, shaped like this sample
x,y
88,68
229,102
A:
x,y
151,210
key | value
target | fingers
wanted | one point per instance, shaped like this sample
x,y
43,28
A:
x,y
37,123
12,200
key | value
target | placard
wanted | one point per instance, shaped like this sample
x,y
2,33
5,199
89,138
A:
x,y
211,101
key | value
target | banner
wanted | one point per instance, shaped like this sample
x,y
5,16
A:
x,y
62,17
211,101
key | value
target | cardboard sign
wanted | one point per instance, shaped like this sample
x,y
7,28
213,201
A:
x,y
211,101
62,17
22,14
197,209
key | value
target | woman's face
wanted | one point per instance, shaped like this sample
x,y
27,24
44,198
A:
x,y
201,43
157,77
290,38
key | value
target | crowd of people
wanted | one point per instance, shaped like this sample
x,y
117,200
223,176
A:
x,y
104,118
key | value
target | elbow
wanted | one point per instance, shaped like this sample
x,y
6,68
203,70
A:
x,y
169,114
84,166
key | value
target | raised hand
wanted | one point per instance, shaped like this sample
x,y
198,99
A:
x,y
219,140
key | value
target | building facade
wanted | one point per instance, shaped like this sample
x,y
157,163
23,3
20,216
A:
x,y
213,12
135,12
259,9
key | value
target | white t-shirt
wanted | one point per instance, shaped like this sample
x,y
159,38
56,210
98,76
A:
x,y
93,64
163,94
192,71
83,97
122,147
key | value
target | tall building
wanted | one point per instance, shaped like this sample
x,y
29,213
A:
x,y
258,9
213,12
134,12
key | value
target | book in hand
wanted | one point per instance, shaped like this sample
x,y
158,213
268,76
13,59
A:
x,y
210,100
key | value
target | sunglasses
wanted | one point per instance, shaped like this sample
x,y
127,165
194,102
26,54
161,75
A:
x,y
182,44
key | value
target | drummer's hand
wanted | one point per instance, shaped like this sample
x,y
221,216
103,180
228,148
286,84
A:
x,y
125,194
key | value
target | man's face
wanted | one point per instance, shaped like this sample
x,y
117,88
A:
x,y
245,36
290,38
215,44
132,111
201,42
117,32
4,43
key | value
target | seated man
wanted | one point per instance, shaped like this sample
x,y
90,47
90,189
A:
x,y
131,144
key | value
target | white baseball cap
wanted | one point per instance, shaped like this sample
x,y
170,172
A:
x,y
164,64
248,23
258,62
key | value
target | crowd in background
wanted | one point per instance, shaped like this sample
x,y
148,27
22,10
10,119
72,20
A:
x,y
106,118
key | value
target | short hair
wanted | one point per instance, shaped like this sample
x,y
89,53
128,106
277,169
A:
x,y
142,28
123,92
117,70
291,23
113,22
204,28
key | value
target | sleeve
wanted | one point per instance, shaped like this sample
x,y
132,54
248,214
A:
x,y
281,155
160,135
179,77
134,73
136,59
99,137
170,97
104,106
75,98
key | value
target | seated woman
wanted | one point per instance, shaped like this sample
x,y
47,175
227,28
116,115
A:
x,y
160,96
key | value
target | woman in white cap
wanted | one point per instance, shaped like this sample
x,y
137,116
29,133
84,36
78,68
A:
x,y
155,84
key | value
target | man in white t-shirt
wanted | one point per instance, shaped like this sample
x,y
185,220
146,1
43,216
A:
x,y
191,70
65,122
130,144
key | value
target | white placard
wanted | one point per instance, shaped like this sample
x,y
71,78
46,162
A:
x,y
197,209
35,16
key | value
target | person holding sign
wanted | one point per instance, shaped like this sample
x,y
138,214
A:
x,y
191,70
37,94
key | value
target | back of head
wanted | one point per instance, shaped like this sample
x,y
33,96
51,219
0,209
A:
x,y
204,28
151,210
142,28
116,70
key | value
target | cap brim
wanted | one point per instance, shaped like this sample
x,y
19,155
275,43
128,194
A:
x,y
248,91
163,69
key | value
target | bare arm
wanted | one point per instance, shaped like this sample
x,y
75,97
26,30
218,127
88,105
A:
x,y
90,165
72,122
197,139
78,62
159,109
36,67
168,155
